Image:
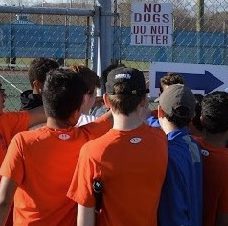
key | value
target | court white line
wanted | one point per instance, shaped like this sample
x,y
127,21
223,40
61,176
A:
x,y
11,84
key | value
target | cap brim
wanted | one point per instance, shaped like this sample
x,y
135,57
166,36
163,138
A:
x,y
157,100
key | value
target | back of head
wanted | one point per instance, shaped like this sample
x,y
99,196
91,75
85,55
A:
x,y
214,112
170,79
90,78
178,103
63,93
126,88
39,68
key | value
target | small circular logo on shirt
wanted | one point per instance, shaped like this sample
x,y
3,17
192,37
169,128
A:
x,y
64,136
135,140
205,152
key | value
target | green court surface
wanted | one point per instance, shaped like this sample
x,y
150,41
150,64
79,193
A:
x,y
14,83
16,80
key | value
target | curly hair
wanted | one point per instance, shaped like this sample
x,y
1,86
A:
x,y
39,68
170,79
214,112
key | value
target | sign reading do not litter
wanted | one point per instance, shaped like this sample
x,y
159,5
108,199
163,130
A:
x,y
151,24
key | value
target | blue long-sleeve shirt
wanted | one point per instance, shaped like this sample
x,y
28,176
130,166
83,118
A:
x,y
181,197
153,121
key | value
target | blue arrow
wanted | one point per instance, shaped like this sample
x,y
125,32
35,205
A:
x,y
207,81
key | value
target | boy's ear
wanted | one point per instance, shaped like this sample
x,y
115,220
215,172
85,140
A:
x,y
37,86
73,119
106,100
85,100
161,113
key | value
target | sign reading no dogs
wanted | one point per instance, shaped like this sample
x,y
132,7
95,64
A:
x,y
151,24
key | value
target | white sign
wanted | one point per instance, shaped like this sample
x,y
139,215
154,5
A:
x,y
151,24
201,78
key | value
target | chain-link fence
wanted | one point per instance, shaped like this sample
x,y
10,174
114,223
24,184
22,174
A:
x,y
23,37
200,35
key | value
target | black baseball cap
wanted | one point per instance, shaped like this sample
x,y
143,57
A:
x,y
175,96
133,81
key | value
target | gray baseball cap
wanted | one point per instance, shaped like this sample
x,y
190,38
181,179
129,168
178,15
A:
x,y
175,96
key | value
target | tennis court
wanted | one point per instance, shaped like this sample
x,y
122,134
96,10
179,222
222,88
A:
x,y
14,82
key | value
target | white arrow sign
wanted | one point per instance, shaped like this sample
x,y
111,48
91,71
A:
x,y
201,78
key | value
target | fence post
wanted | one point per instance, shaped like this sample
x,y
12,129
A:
x,y
199,29
225,37
106,35
95,36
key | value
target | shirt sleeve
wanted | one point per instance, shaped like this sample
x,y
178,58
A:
x,y
153,122
173,207
99,127
19,121
13,166
81,188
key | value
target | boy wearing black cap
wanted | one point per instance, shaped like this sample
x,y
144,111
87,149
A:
x,y
122,161
181,198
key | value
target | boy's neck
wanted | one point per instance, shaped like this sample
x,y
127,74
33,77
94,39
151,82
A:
x,y
167,126
127,123
58,124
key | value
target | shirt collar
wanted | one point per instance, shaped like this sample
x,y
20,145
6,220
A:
x,y
177,133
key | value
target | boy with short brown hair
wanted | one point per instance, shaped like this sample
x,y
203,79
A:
x,y
39,164
92,81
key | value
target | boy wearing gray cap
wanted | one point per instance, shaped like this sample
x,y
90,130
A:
x,y
181,198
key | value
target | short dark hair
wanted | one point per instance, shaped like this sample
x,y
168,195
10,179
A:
x,y
39,68
170,79
90,78
125,104
177,120
63,93
214,110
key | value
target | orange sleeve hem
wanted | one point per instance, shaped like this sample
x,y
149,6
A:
x,y
87,203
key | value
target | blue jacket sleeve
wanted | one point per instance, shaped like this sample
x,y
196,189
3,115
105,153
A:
x,y
153,122
174,207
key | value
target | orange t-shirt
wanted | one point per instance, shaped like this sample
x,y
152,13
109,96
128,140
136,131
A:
x,y
42,163
11,123
132,166
215,183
